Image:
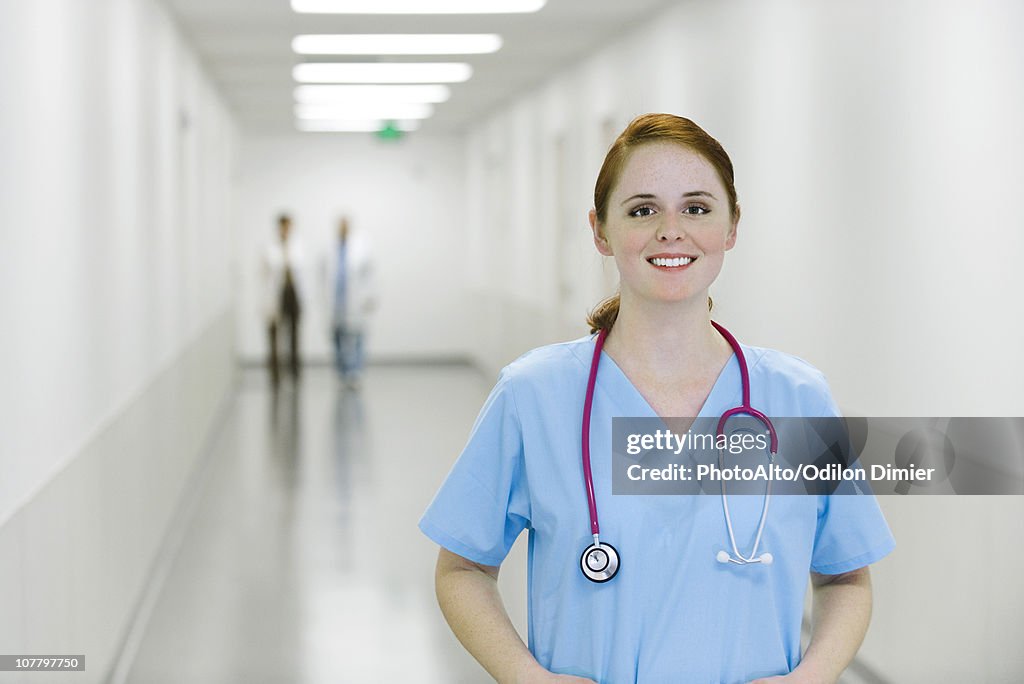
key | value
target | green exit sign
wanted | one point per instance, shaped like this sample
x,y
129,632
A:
x,y
389,131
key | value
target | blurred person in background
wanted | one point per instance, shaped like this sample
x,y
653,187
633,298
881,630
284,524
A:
x,y
352,302
283,294
684,605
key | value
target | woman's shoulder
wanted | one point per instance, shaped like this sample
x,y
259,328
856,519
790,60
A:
x,y
789,377
543,382
773,361
552,362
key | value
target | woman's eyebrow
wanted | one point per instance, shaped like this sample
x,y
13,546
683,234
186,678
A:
x,y
694,193
642,196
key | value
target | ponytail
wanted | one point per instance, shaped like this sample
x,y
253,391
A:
x,y
604,314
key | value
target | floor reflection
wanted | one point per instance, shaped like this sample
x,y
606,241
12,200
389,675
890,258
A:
x,y
302,561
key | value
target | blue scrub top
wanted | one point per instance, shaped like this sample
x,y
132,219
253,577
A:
x,y
673,613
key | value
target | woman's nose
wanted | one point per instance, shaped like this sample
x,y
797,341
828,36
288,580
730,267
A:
x,y
671,228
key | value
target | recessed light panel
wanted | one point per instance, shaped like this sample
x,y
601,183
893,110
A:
x,y
353,126
365,110
324,94
397,44
416,6
381,72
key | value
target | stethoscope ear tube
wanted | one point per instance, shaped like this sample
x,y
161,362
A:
x,y
588,404
599,562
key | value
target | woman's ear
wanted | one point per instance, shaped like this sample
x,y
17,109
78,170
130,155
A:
x,y
730,239
599,241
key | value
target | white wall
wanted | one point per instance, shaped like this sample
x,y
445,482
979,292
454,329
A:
x,y
115,234
877,149
114,279
407,197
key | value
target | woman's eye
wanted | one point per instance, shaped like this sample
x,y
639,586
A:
x,y
642,211
696,210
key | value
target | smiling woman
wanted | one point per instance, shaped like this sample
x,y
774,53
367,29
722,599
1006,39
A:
x,y
684,595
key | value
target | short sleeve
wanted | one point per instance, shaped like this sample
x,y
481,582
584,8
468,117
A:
x,y
851,533
851,530
484,503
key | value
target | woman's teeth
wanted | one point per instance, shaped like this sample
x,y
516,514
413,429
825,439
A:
x,y
679,261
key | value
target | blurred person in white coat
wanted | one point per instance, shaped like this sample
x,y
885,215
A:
x,y
352,301
283,294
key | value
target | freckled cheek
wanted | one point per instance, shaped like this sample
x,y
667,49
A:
x,y
713,243
634,246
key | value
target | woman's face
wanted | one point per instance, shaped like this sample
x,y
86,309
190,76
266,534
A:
x,y
667,224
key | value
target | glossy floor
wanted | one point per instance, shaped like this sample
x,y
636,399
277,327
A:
x,y
300,560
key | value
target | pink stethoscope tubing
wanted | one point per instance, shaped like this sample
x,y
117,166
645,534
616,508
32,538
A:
x,y
744,408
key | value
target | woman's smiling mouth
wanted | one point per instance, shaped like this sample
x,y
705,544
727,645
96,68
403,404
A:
x,y
671,262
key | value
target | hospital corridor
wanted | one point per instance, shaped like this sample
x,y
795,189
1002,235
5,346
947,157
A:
x,y
316,313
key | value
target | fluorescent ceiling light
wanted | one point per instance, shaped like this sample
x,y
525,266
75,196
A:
x,y
323,94
353,125
397,44
367,110
381,72
416,6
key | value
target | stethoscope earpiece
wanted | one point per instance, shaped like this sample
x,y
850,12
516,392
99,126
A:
x,y
763,559
599,562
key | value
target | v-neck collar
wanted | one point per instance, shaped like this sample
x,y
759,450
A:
x,y
618,388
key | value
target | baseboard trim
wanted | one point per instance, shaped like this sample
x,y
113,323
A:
x,y
184,512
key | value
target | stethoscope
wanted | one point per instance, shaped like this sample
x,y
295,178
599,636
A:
x,y
600,561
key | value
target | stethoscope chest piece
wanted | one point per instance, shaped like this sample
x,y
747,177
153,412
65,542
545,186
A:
x,y
599,562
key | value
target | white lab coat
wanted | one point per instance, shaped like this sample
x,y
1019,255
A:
x,y
276,256
361,296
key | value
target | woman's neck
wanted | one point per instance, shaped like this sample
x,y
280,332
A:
x,y
670,340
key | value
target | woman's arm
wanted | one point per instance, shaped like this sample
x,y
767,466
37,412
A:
x,y
840,613
469,598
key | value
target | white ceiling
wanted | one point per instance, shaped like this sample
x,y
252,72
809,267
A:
x,y
246,47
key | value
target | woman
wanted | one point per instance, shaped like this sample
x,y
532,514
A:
x,y
665,208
